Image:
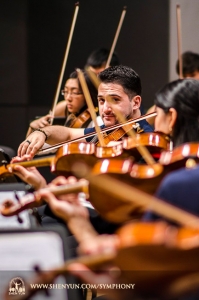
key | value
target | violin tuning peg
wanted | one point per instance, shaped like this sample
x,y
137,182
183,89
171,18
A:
x,y
19,219
37,269
16,196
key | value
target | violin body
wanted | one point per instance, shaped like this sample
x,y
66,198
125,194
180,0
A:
x,y
142,176
155,142
180,156
162,261
82,120
115,135
69,154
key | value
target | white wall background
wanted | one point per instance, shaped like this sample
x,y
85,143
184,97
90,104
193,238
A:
x,y
190,31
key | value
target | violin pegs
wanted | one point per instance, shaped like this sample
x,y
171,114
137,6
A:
x,y
37,269
16,196
19,219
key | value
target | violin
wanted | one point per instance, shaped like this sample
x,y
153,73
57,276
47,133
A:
x,y
115,135
118,201
112,204
82,120
61,163
143,176
173,258
148,177
185,155
155,142
113,127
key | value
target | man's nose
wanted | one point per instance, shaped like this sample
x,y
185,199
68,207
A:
x,y
107,106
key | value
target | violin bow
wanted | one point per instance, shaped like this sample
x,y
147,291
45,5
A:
x,y
143,150
90,105
179,38
57,146
64,61
116,37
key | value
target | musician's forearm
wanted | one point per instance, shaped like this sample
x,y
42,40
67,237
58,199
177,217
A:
x,y
81,228
58,134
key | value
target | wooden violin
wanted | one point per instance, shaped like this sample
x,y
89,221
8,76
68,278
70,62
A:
x,y
143,176
155,142
148,177
183,155
61,163
115,135
81,120
69,154
113,127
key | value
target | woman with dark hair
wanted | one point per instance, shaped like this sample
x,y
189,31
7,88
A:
x,y
73,105
177,107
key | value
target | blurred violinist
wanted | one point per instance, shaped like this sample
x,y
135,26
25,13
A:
x,y
73,106
177,106
190,64
96,61
119,82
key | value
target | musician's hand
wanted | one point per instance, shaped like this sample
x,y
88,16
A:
x,y
65,206
41,122
100,280
29,175
32,144
103,243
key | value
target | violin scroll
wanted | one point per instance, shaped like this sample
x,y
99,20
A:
x,y
10,208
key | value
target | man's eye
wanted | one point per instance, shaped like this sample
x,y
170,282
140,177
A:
x,y
115,99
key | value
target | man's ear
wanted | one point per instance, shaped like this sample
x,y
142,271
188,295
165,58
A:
x,y
173,116
136,100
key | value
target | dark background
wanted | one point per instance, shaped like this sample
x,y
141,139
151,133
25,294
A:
x,y
33,38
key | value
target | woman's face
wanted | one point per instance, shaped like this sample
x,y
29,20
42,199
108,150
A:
x,y
162,121
74,97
